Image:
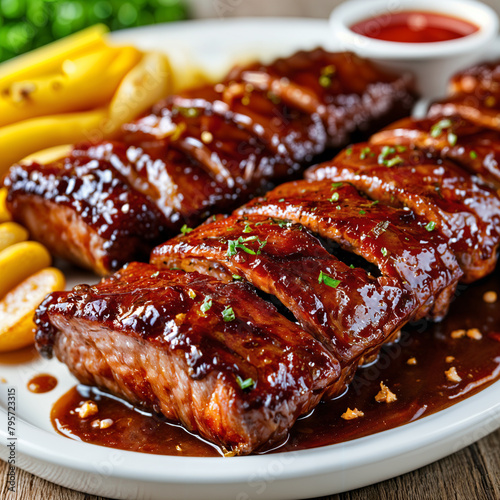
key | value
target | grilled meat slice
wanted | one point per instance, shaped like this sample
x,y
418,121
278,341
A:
x,y
350,311
466,213
474,148
475,95
212,356
397,241
347,92
84,212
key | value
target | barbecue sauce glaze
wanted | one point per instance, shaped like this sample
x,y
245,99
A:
x,y
421,388
414,27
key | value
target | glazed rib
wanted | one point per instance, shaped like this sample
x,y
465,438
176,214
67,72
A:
x,y
284,260
211,148
465,212
395,240
474,148
240,379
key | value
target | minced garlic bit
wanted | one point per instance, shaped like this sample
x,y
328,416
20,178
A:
x,y
102,424
385,395
474,333
490,297
87,409
178,447
450,359
180,317
458,334
352,414
452,375
411,361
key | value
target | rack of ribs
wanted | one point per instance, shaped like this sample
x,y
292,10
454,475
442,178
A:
x,y
273,307
202,152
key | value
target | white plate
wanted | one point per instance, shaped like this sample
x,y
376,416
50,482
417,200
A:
x,y
303,474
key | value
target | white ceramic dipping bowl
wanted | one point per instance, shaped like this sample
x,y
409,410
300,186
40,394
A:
x,y
431,63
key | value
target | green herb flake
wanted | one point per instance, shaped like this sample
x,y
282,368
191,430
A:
x,y
437,128
374,202
206,305
473,155
247,229
325,81
352,266
452,139
236,277
364,153
336,185
281,200
248,383
397,160
430,226
228,314
362,212
335,197
384,251
185,229
348,151
401,149
155,275
328,280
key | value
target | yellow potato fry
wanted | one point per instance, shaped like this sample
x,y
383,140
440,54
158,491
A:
x,y
19,261
145,84
50,58
17,308
48,155
11,233
4,213
84,83
21,139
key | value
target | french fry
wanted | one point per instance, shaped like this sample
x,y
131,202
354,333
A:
x,y
11,233
144,84
24,138
84,83
19,261
4,213
48,59
17,308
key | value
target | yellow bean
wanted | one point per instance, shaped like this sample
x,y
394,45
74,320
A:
x,y
84,83
49,58
146,83
19,261
11,233
24,138
17,308
4,213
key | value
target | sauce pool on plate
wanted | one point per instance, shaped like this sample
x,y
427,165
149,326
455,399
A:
x,y
432,367
414,27
40,384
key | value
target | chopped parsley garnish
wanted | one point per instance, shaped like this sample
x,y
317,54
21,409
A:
x,y
206,305
233,245
385,152
185,229
452,139
155,275
348,151
437,128
401,149
247,229
384,251
248,383
364,153
473,155
397,160
362,212
335,197
374,202
328,280
236,277
430,226
281,199
336,185
228,314
352,266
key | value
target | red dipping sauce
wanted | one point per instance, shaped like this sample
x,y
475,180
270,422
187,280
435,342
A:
x,y
414,27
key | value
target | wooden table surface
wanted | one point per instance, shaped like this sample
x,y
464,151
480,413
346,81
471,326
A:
x,y
470,474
